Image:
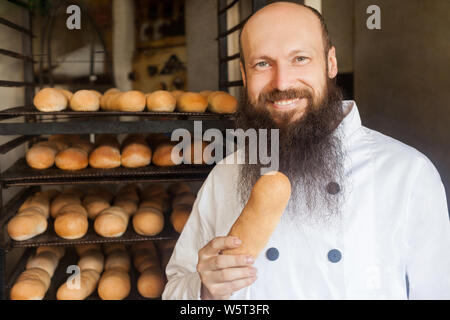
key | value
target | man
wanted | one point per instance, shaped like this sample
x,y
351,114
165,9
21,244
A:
x,y
367,213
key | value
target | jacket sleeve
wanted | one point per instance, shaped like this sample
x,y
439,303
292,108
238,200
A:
x,y
183,281
428,237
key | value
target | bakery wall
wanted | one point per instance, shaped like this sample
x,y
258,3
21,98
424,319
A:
x,y
401,75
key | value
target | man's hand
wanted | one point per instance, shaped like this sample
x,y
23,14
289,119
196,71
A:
x,y
222,275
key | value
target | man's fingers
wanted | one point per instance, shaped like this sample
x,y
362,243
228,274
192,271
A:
x,y
231,274
218,244
229,261
226,289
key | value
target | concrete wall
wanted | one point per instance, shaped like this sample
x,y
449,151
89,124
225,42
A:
x,y
402,75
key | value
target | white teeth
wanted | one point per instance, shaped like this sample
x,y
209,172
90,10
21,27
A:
x,y
285,102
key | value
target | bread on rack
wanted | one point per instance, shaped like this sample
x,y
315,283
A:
x,y
151,281
127,198
103,102
135,151
163,155
222,102
71,222
111,222
49,100
115,282
180,216
74,158
125,101
97,201
62,200
106,154
91,265
33,283
191,102
161,101
148,220
66,93
32,217
177,188
41,155
176,93
196,153
85,100
206,93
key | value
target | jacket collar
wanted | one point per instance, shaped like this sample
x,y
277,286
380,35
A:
x,y
351,122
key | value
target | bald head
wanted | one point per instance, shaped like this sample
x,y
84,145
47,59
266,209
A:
x,y
286,15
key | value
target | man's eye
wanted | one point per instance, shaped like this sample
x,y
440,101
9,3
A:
x,y
301,59
262,64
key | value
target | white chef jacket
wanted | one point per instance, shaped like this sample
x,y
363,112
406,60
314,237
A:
x,y
394,223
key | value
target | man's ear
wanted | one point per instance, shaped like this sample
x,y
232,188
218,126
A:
x,y
332,63
243,73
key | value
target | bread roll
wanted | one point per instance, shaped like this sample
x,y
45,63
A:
x,y
161,101
84,145
163,154
106,155
177,188
185,198
179,217
135,152
62,200
110,91
191,102
85,100
261,214
88,282
112,247
129,101
148,221
92,259
46,260
222,102
50,99
128,205
71,222
177,93
114,284
66,93
118,259
151,282
41,200
98,94
58,251
159,203
27,224
72,159
95,204
41,156
32,284
111,222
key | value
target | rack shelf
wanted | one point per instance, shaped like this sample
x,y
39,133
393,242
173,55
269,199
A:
x,y
20,174
60,276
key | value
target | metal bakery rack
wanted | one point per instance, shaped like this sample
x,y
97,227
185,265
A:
x,y
26,124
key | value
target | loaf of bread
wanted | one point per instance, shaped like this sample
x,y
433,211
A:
x,y
49,100
151,282
127,198
222,102
206,93
148,221
32,216
106,154
62,200
163,155
106,96
261,214
98,94
111,222
97,202
191,102
33,283
85,100
71,222
91,265
41,155
176,93
125,101
115,282
72,159
179,216
160,203
161,101
135,151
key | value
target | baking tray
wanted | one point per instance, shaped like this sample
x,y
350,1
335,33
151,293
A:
x,y
60,276
20,174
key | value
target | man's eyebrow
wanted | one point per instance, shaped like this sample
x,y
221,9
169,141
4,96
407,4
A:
x,y
265,57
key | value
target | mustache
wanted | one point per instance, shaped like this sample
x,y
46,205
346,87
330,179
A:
x,y
274,95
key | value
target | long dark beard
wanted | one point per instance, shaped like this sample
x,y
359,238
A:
x,y
310,151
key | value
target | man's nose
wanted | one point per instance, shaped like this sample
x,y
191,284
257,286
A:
x,y
282,78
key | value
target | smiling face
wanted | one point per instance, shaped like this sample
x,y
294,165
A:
x,y
286,68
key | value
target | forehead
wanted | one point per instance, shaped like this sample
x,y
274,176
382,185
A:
x,y
281,31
